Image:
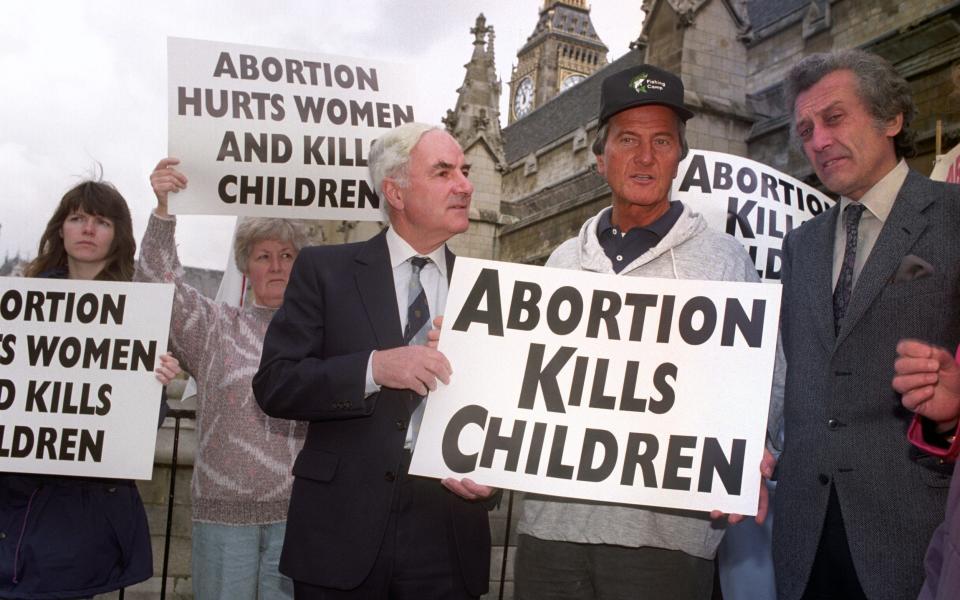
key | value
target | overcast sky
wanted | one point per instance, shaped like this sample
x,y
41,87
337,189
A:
x,y
85,82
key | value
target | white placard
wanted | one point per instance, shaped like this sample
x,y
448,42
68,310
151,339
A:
x,y
947,166
280,133
77,391
755,203
600,387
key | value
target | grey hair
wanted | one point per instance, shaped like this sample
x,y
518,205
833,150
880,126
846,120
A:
x,y
390,156
882,90
251,230
600,141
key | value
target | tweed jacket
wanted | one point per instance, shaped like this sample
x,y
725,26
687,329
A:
x,y
843,423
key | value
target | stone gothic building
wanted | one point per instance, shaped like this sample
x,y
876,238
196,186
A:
x,y
537,182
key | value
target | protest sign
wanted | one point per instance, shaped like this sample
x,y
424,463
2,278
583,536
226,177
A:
x,y
279,133
617,389
77,392
755,203
947,166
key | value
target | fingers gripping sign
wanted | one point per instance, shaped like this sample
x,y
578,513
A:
x,y
168,369
468,489
433,336
164,179
767,465
415,368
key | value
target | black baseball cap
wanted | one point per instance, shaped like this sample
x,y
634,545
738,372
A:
x,y
639,86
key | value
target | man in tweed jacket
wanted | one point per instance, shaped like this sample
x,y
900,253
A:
x,y
856,504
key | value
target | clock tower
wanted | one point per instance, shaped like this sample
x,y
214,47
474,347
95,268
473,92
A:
x,y
561,52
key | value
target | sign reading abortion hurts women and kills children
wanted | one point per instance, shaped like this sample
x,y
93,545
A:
x,y
77,391
279,133
617,389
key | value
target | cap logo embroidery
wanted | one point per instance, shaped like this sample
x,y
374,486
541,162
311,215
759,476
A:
x,y
640,83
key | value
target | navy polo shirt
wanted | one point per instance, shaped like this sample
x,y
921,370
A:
x,y
622,248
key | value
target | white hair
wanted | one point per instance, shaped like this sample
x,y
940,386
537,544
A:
x,y
390,157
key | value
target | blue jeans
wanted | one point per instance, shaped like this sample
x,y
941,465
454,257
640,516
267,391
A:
x,y
239,562
745,560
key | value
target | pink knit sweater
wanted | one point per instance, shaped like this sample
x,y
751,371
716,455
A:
x,y
241,473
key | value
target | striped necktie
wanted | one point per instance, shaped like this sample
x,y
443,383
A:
x,y
418,312
418,324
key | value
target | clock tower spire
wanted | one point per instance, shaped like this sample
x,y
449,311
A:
x,y
563,49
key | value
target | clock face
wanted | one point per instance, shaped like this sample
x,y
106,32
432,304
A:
x,y
570,81
523,99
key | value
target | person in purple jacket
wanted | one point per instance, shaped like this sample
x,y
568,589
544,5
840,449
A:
x,y
928,378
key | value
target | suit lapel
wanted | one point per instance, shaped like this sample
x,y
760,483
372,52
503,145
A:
x,y
816,268
904,225
374,278
450,258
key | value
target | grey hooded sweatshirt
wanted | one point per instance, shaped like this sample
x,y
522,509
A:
x,y
690,250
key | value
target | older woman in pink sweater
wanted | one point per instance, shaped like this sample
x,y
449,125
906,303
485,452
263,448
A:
x,y
241,478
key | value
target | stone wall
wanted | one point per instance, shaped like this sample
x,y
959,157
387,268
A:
x,y
553,215
564,157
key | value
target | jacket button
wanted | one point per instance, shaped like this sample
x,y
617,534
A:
x,y
3,535
111,490
389,476
823,479
401,425
833,423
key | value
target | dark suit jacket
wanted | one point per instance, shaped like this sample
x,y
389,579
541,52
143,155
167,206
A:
x,y
843,423
340,304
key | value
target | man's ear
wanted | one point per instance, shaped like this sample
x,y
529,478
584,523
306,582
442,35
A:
x,y
601,166
394,193
894,126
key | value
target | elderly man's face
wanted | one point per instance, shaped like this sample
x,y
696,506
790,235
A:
x,y
840,138
639,162
435,204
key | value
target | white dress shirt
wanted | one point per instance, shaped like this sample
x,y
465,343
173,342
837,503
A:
x,y
433,278
878,202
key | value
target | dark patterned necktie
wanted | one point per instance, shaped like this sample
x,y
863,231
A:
x,y
418,324
418,312
841,293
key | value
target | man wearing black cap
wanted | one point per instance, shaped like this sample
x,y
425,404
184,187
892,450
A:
x,y
584,550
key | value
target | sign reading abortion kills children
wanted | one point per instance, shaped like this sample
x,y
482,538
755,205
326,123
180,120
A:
x,y
279,133
77,391
617,389
754,203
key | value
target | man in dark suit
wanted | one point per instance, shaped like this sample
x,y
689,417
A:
x,y
344,353
856,505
